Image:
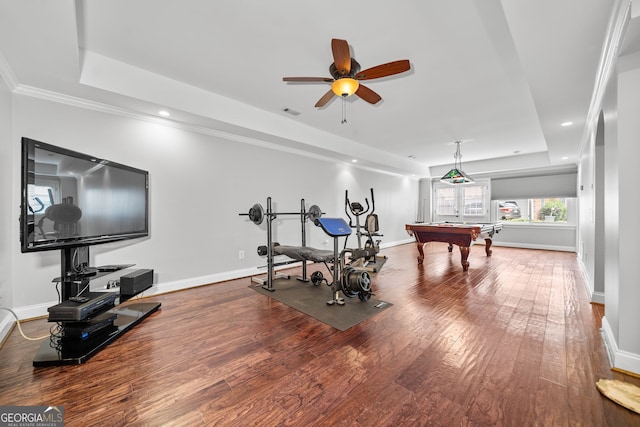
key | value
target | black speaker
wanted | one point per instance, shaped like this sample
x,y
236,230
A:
x,y
136,282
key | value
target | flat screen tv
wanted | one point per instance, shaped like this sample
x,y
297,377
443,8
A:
x,y
70,199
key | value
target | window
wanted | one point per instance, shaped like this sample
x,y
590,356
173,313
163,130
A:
x,y
533,210
468,202
446,201
473,196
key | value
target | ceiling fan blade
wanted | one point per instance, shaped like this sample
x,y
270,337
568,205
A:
x,y
325,98
368,95
307,79
341,56
384,70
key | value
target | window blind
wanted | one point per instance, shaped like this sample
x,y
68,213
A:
x,y
541,186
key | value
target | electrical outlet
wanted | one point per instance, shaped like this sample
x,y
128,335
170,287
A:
x,y
240,254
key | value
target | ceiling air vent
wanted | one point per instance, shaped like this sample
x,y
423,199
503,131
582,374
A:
x,y
290,111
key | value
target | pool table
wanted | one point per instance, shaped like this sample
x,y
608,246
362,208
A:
x,y
453,233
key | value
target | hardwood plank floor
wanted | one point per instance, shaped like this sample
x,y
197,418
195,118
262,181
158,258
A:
x,y
512,342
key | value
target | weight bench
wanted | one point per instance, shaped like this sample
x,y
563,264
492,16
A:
x,y
351,281
334,227
304,253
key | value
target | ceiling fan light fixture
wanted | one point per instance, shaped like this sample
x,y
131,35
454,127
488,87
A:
x,y
345,86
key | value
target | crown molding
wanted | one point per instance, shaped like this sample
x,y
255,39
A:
x,y
608,59
84,103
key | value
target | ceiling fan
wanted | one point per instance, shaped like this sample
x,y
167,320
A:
x,y
346,75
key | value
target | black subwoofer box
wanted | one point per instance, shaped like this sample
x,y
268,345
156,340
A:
x,y
136,282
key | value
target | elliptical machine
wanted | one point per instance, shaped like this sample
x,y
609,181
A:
x,y
364,256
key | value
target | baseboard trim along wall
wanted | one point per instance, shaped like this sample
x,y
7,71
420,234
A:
x,y
621,359
535,246
5,326
597,298
594,296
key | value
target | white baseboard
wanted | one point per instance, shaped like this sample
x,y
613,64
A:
x,y
40,310
495,243
33,311
192,282
398,243
597,297
6,324
594,296
534,246
620,359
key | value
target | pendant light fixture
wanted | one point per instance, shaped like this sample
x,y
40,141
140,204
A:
x,y
456,175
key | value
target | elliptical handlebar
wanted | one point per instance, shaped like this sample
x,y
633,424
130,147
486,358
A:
x,y
347,205
373,203
355,207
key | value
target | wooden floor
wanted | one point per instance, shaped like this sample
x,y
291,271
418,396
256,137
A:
x,y
512,342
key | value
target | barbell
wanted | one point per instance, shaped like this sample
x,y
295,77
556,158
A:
x,y
257,214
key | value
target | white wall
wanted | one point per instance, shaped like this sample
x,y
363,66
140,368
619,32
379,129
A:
x,y
586,224
8,210
625,293
198,186
597,217
553,237
620,228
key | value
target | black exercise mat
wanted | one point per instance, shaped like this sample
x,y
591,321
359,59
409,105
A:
x,y
312,301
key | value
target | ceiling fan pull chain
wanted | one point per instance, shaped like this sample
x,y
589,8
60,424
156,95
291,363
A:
x,y
344,111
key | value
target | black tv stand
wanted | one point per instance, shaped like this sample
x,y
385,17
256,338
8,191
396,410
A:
x,y
55,352
65,350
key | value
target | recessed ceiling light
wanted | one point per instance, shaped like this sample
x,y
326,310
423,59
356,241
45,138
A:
x,y
164,113
565,158
354,161
565,124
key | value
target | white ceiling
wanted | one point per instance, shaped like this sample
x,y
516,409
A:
x,y
501,76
